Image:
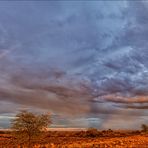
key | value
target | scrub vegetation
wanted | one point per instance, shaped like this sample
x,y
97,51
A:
x,y
28,127
80,139
29,130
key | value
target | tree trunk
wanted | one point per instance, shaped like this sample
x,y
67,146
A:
x,y
29,141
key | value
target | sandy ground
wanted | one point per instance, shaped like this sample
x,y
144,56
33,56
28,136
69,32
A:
x,y
127,141
122,142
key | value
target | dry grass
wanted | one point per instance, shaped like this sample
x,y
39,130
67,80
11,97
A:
x,y
83,139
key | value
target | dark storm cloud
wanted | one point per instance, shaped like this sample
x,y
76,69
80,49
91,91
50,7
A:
x,y
135,106
75,58
48,95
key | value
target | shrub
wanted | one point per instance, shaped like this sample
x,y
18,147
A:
x,y
92,132
144,128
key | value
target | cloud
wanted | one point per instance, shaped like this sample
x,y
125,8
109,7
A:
x,y
124,122
139,106
65,95
75,58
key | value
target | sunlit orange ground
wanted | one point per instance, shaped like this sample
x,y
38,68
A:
x,y
78,140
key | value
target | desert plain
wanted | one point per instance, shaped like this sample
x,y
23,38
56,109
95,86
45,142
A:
x,y
81,139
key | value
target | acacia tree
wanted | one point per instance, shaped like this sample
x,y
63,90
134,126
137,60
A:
x,y
28,126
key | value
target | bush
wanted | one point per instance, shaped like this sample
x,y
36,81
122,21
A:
x,y
80,134
92,132
144,128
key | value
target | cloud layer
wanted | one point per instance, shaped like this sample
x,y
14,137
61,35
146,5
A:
x,y
83,61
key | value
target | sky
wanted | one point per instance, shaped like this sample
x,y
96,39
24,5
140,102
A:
x,y
85,62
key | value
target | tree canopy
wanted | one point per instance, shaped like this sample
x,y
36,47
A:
x,y
27,126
